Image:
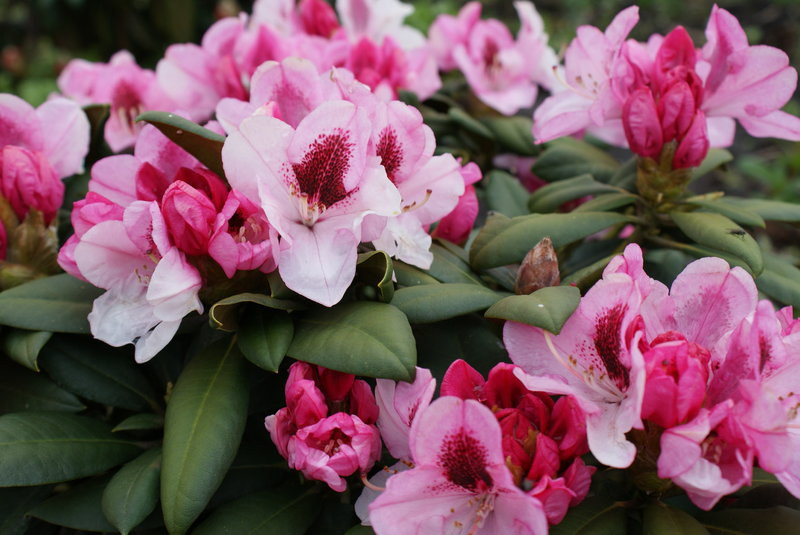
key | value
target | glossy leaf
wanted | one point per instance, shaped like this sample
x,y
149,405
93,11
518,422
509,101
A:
x,y
202,429
60,303
24,390
472,338
264,337
425,304
139,422
718,232
597,515
606,202
512,134
735,213
48,447
505,194
411,276
698,251
78,508
663,520
200,142
508,242
768,209
375,269
468,123
774,521
133,493
548,198
14,506
780,280
449,267
362,338
282,511
224,313
23,346
98,372
548,308
568,157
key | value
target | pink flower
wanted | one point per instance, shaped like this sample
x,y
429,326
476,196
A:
x,y
456,225
377,20
448,31
399,403
28,181
315,183
459,480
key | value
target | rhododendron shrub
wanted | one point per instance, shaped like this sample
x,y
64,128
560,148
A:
x,y
309,286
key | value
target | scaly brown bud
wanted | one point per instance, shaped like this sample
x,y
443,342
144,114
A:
x,y
539,269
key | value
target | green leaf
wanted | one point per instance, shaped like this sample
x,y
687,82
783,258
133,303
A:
x,y
718,232
769,210
780,280
285,510
60,303
548,198
596,515
139,422
774,521
512,134
202,429
132,493
663,520
731,211
428,303
586,276
468,123
48,447
713,159
375,270
200,142
78,508
98,372
606,202
264,337
548,308
568,157
411,276
507,242
97,115
448,267
360,530
24,390
505,194
14,505
625,175
23,346
698,251
224,313
362,338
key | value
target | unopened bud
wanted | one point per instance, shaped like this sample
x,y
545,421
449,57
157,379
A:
x,y
539,269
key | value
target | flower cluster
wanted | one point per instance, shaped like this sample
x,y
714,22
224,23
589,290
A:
x,y
704,367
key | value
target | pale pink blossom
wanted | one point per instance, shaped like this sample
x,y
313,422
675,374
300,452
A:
x,y
447,31
456,225
399,403
379,19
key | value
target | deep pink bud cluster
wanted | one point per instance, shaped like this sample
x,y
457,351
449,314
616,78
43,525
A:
x,y
28,181
327,429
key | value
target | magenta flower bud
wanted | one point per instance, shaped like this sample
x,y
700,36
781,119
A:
x,y
568,428
306,403
335,385
462,381
28,181
151,183
677,110
318,18
362,402
676,51
335,447
206,182
189,216
555,496
694,145
641,124
546,460
280,428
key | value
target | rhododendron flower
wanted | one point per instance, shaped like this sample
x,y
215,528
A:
x,y
457,225
28,181
315,183
121,83
459,482
378,19
399,403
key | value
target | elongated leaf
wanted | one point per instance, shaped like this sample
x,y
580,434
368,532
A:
x,y
362,338
718,232
425,304
606,202
548,308
282,511
60,303
505,194
98,372
139,422
24,390
23,346
202,430
200,142
663,520
731,211
597,515
513,134
569,157
548,198
468,123
713,159
14,505
768,209
78,508
699,251
48,447
774,520
411,276
625,175
448,267
509,241
257,466
224,313
264,337
780,280
132,493
375,270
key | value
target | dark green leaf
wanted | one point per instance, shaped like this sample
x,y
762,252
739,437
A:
x,y
512,134
586,276
200,142
48,447
596,515
468,123
202,429
24,390
713,159
665,264
766,495
23,346
663,520
362,338
428,303
14,505
132,493
411,276
606,202
718,232
97,372
375,270
257,466
448,267
568,157
77,508
360,530
773,521
698,251
264,337
780,280
472,338
224,313
97,115
625,175
505,194
731,211
769,210
548,198
60,303
139,422
507,242
548,308
282,511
